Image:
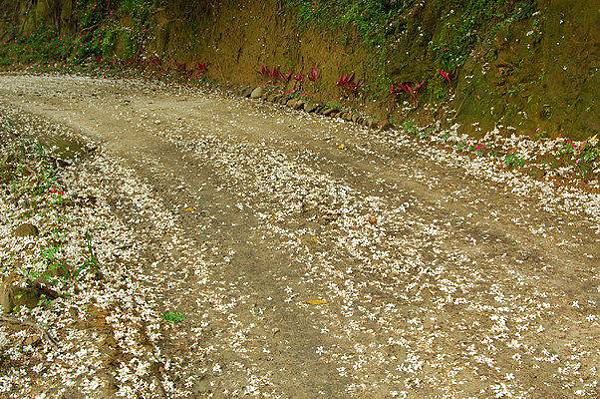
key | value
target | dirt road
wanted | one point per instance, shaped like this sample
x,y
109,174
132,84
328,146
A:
x,y
314,258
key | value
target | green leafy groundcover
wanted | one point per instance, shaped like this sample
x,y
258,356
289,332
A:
x,y
98,29
95,34
374,19
31,179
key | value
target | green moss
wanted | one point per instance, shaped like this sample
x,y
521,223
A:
x,y
466,24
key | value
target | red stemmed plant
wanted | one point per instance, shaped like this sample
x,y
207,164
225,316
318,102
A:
x,y
410,88
182,69
347,82
264,71
201,69
155,62
313,75
285,77
446,75
274,74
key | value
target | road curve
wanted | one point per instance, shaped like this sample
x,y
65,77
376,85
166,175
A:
x,y
315,258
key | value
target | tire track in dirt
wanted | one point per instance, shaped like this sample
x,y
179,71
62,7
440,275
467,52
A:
x,y
450,289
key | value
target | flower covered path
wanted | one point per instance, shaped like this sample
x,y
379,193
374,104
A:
x,y
309,257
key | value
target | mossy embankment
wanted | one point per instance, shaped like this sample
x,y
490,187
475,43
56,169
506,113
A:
x,y
528,65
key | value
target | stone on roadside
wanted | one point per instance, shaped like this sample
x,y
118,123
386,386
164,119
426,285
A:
x,y
26,230
330,112
310,107
257,93
246,91
273,97
370,123
384,124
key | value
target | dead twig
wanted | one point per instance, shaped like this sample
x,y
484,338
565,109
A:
x,y
33,325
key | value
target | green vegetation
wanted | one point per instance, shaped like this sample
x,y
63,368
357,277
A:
x,y
376,21
514,160
30,176
98,34
368,17
447,35
410,127
465,23
336,105
173,317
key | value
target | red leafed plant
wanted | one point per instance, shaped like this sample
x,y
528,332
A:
x,y
274,74
446,75
285,77
345,79
182,69
299,78
264,71
201,69
347,82
410,88
155,62
313,75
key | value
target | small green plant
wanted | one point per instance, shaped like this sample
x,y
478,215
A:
x,y
173,317
590,154
333,105
514,160
425,134
410,127
91,262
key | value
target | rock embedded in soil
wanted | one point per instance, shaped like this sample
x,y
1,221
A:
x,y
384,124
273,97
329,112
14,296
371,123
257,93
310,107
26,230
299,105
246,91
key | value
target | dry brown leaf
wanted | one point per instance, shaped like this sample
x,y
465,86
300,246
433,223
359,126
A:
x,y
316,302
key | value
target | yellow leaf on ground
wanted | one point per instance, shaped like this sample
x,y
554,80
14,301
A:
x,y
342,147
189,209
316,302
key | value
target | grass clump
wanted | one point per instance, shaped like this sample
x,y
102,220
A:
x,y
173,317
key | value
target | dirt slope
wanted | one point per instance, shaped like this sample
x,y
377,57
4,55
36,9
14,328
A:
x,y
438,284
